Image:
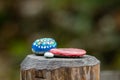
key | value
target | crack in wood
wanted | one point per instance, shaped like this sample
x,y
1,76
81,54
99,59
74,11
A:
x,y
40,75
39,79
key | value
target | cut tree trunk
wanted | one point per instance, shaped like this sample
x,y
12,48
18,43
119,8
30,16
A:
x,y
40,68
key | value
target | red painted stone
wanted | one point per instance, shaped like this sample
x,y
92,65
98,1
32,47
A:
x,y
68,52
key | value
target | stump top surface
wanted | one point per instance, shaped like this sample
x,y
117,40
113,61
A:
x,y
40,62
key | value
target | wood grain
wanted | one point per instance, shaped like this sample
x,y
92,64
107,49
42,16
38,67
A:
x,y
76,73
84,72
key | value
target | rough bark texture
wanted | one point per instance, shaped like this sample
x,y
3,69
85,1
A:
x,y
86,68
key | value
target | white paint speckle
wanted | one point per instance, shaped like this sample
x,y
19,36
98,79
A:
x,y
41,46
34,44
33,50
44,47
37,40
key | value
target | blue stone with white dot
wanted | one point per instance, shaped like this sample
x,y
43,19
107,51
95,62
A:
x,y
42,45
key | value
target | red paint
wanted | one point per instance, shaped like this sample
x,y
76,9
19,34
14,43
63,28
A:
x,y
68,52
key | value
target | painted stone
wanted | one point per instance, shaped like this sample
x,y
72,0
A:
x,y
48,54
68,52
40,46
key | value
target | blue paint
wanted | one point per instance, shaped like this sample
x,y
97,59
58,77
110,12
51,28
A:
x,y
40,46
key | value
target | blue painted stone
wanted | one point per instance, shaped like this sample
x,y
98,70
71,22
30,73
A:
x,y
40,46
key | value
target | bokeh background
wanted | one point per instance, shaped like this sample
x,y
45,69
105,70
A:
x,y
93,25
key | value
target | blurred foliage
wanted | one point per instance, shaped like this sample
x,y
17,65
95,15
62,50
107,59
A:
x,y
93,25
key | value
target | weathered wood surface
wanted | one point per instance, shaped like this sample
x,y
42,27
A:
x,y
40,68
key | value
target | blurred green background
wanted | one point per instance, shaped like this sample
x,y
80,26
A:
x,y
93,25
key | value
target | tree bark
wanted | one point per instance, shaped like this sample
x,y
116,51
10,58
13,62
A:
x,y
40,68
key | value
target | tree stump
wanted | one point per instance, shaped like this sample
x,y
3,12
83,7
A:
x,y
40,68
